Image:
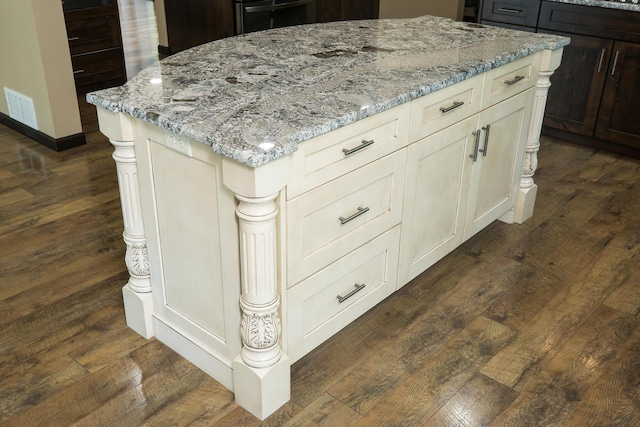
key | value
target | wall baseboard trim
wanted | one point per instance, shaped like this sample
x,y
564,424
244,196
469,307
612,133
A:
x,y
56,144
164,50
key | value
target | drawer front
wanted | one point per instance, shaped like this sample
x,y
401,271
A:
x,y
100,66
510,79
93,34
516,12
443,108
336,218
336,153
329,300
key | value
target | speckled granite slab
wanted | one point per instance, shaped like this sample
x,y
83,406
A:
x,y
629,5
255,97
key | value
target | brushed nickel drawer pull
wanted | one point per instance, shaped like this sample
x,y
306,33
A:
x,y
474,156
486,140
78,72
361,211
455,105
72,39
615,63
515,80
509,10
358,288
362,146
601,59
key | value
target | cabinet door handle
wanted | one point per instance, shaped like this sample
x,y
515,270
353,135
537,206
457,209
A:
x,y
72,39
358,288
486,130
515,80
615,63
604,51
509,10
361,211
474,156
456,104
349,151
78,72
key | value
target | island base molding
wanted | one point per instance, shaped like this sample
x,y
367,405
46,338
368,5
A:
x,y
244,270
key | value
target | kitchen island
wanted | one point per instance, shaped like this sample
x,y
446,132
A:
x,y
277,185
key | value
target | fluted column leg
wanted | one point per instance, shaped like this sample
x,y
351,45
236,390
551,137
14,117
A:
x,y
526,198
261,372
137,292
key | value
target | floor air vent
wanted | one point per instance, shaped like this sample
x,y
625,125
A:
x,y
21,108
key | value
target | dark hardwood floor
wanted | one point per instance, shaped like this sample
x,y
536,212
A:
x,y
524,325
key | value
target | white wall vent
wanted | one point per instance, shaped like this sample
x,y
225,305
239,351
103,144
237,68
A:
x,y
21,108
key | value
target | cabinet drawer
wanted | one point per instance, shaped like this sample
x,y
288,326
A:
x,y
510,79
360,280
332,220
516,12
93,34
443,108
90,68
336,153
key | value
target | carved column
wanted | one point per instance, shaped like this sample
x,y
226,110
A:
x,y
528,189
137,291
259,301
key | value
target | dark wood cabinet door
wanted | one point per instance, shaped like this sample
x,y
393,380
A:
x,y
576,87
342,10
194,22
619,119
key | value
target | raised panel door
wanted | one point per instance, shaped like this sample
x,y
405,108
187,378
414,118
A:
x,y
576,87
618,119
497,167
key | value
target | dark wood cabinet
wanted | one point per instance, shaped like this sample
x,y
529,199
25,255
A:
x,y
194,22
514,13
619,118
595,94
574,100
95,43
343,10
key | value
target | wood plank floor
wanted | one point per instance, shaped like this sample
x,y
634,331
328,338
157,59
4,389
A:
x,y
524,325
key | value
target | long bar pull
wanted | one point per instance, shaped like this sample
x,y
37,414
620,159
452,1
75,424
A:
x,y
474,156
361,211
604,51
358,288
349,151
509,10
615,63
486,130
455,105
515,80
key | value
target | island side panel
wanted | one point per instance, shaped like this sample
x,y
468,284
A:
x,y
192,235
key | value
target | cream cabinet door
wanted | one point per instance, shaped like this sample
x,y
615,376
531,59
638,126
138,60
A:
x,y
499,155
436,194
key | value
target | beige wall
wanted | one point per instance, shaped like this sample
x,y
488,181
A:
x,y
453,9
35,59
161,20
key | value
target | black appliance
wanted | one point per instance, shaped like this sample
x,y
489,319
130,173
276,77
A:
x,y
256,15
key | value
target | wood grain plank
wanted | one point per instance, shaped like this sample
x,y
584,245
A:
x,y
421,394
14,195
563,381
383,370
324,411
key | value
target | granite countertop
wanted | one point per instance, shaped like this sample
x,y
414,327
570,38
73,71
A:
x,y
629,5
255,97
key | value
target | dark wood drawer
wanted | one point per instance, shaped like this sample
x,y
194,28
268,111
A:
x,y
591,21
92,34
101,66
515,12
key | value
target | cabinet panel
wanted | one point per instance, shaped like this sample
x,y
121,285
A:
x,y
329,156
341,10
618,119
576,88
334,219
316,313
102,67
506,81
515,12
496,172
436,192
